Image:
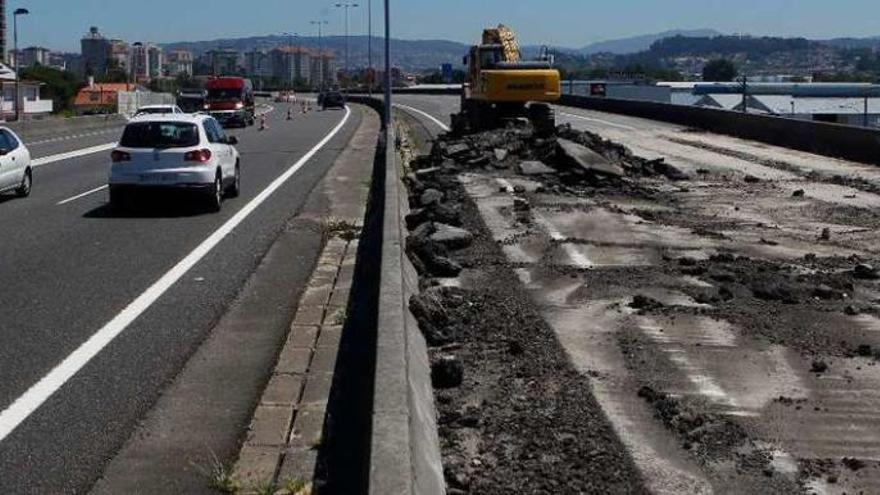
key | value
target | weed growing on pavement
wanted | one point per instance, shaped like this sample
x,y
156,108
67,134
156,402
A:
x,y
339,318
294,486
342,229
316,443
220,476
265,488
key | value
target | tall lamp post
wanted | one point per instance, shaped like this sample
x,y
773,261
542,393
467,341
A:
x,y
290,58
346,6
370,47
387,66
15,15
320,25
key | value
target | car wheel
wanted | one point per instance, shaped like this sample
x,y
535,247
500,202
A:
x,y
215,198
235,189
24,190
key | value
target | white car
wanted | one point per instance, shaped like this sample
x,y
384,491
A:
x,y
181,152
15,164
158,109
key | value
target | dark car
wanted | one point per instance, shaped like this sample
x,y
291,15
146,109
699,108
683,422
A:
x,y
332,99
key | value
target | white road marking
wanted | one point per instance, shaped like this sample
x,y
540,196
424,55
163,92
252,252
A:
x,y
46,160
578,258
78,196
424,114
35,396
600,121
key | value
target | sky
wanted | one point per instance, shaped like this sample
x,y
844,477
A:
x,y
59,24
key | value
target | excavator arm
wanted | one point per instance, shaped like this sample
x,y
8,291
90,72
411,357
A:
x,y
504,36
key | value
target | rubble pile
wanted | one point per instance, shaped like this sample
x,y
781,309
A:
x,y
505,391
568,157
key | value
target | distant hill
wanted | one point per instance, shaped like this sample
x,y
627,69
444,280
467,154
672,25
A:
x,y
635,44
408,54
872,42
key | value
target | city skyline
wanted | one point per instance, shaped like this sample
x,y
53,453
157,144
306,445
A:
x,y
61,30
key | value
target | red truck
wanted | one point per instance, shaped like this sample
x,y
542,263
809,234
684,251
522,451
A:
x,y
230,100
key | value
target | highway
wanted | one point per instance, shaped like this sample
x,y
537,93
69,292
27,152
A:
x,y
75,275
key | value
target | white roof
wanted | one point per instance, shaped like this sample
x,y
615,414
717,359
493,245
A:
x,y
782,105
166,105
725,101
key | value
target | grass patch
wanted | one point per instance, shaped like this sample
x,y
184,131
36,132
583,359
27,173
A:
x,y
294,486
342,229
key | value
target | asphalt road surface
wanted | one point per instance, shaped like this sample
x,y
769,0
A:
x,y
70,267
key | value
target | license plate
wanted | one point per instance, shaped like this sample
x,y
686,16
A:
x,y
158,178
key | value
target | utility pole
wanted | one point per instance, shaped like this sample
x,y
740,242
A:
x,y
388,67
15,15
745,90
370,47
345,6
290,58
321,58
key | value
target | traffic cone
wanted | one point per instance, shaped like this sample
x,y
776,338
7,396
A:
x,y
263,125
289,113
304,108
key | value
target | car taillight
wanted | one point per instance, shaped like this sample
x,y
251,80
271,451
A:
x,y
239,106
120,156
199,156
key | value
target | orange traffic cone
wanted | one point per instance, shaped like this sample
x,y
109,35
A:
x,y
289,113
304,108
263,125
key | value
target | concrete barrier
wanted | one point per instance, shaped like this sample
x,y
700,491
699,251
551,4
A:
x,y
33,130
404,447
841,141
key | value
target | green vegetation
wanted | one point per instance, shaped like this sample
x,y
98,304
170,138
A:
x,y
61,86
719,70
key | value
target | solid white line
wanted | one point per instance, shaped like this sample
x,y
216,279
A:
x,y
46,160
74,198
578,258
600,121
25,405
425,114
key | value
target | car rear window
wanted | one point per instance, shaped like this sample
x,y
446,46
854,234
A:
x,y
160,135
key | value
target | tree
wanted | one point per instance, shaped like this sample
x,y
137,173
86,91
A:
x,y
719,70
60,86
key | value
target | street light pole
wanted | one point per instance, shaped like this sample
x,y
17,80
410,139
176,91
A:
x,y
18,12
370,47
387,66
320,25
290,58
346,6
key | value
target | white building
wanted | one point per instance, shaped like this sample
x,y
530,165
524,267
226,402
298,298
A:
x,y
32,104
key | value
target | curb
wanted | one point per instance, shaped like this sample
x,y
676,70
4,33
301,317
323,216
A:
x,y
405,448
286,430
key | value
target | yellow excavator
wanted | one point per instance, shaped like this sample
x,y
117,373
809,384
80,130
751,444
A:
x,y
500,85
